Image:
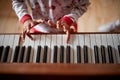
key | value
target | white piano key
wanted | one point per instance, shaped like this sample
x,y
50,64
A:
x,y
5,43
26,44
37,43
71,44
10,43
42,43
92,43
48,43
104,42
59,43
59,39
31,43
116,43
98,43
82,43
16,42
6,40
75,43
65,45
110,42
119,38
1,44
87,43
53,43
11,40
1,39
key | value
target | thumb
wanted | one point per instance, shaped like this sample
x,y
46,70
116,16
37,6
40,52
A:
x,y
39,21
51,23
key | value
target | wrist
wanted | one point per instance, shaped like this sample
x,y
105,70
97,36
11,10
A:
x,y
25,18
67,20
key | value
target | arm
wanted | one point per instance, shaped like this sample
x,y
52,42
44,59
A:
x,y
79,7
69,21
20,9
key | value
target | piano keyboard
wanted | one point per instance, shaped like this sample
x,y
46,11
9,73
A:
x,y
52,48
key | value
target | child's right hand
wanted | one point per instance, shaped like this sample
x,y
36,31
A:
x,y
60,25
27,26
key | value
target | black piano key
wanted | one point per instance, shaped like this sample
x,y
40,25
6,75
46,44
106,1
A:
x,y
103,54
22,54
6,52
68,54
55,55
61,54
28,54
110,54
45,54
119,50
96,54
85,54
78,54
38,54
15,57
1,51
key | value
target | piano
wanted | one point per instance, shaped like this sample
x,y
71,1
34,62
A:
x,y
86,56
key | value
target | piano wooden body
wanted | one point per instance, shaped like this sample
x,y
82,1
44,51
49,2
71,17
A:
x,y
87,56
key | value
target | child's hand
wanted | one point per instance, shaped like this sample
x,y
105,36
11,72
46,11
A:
x,y
65,27
60,25
27,26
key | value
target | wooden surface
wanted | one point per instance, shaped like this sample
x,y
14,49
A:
x,y
60,69
99,12
8,20
40,71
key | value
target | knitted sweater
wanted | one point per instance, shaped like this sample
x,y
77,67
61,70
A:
x,y
50,9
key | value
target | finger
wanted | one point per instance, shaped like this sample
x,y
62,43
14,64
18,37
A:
x,y
39,21
59,25
29,27
29,35
23,35
64,28
68,36
35,23
73,29
28,32
50,23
